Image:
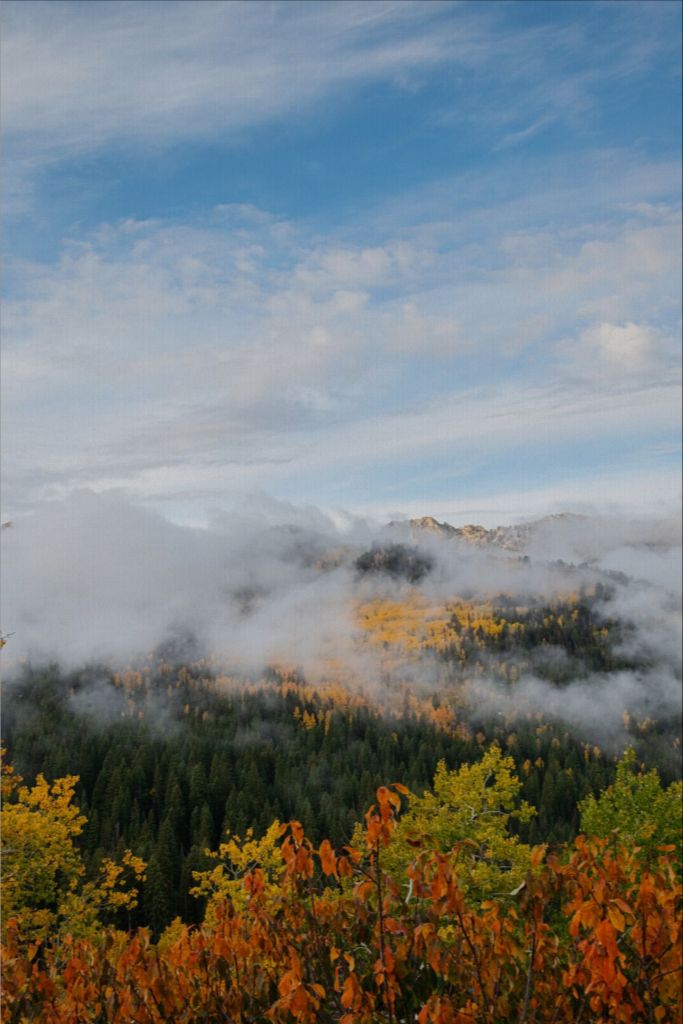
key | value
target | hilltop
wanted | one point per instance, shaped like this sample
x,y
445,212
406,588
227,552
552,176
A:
x,y
510,538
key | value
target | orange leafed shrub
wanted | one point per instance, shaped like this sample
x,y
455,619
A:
x,y
591,936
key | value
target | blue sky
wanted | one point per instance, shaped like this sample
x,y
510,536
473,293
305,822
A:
x,y
391,257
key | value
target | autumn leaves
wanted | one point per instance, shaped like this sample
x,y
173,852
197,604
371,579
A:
x,y
398,926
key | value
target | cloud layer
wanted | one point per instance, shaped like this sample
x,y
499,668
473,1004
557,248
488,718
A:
x,y
374,256
157,73
98,579
242,352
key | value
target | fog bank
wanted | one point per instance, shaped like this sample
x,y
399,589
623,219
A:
x,y
96,578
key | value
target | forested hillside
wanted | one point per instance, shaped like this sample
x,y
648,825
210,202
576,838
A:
x,y
434,912
170,757
191,839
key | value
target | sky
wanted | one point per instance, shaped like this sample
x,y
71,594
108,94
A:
x,y
396,258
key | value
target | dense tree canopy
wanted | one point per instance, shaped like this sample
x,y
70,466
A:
x,y
147,877
304,932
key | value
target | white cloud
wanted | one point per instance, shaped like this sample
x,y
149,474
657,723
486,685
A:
x,y
241,349
629,347
502,419
650,492
409,330
76,78
329,269
98,578
522,135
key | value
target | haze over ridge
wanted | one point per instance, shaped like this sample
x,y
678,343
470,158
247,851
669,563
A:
x,y
96,579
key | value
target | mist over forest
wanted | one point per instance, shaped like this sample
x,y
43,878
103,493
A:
x,y
97,579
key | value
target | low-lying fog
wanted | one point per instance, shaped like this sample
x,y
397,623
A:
x,y
96,578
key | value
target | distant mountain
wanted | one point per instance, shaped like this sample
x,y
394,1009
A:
x,y
509,538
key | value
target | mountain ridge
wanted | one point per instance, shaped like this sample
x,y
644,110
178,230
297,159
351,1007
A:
x,y
510,538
